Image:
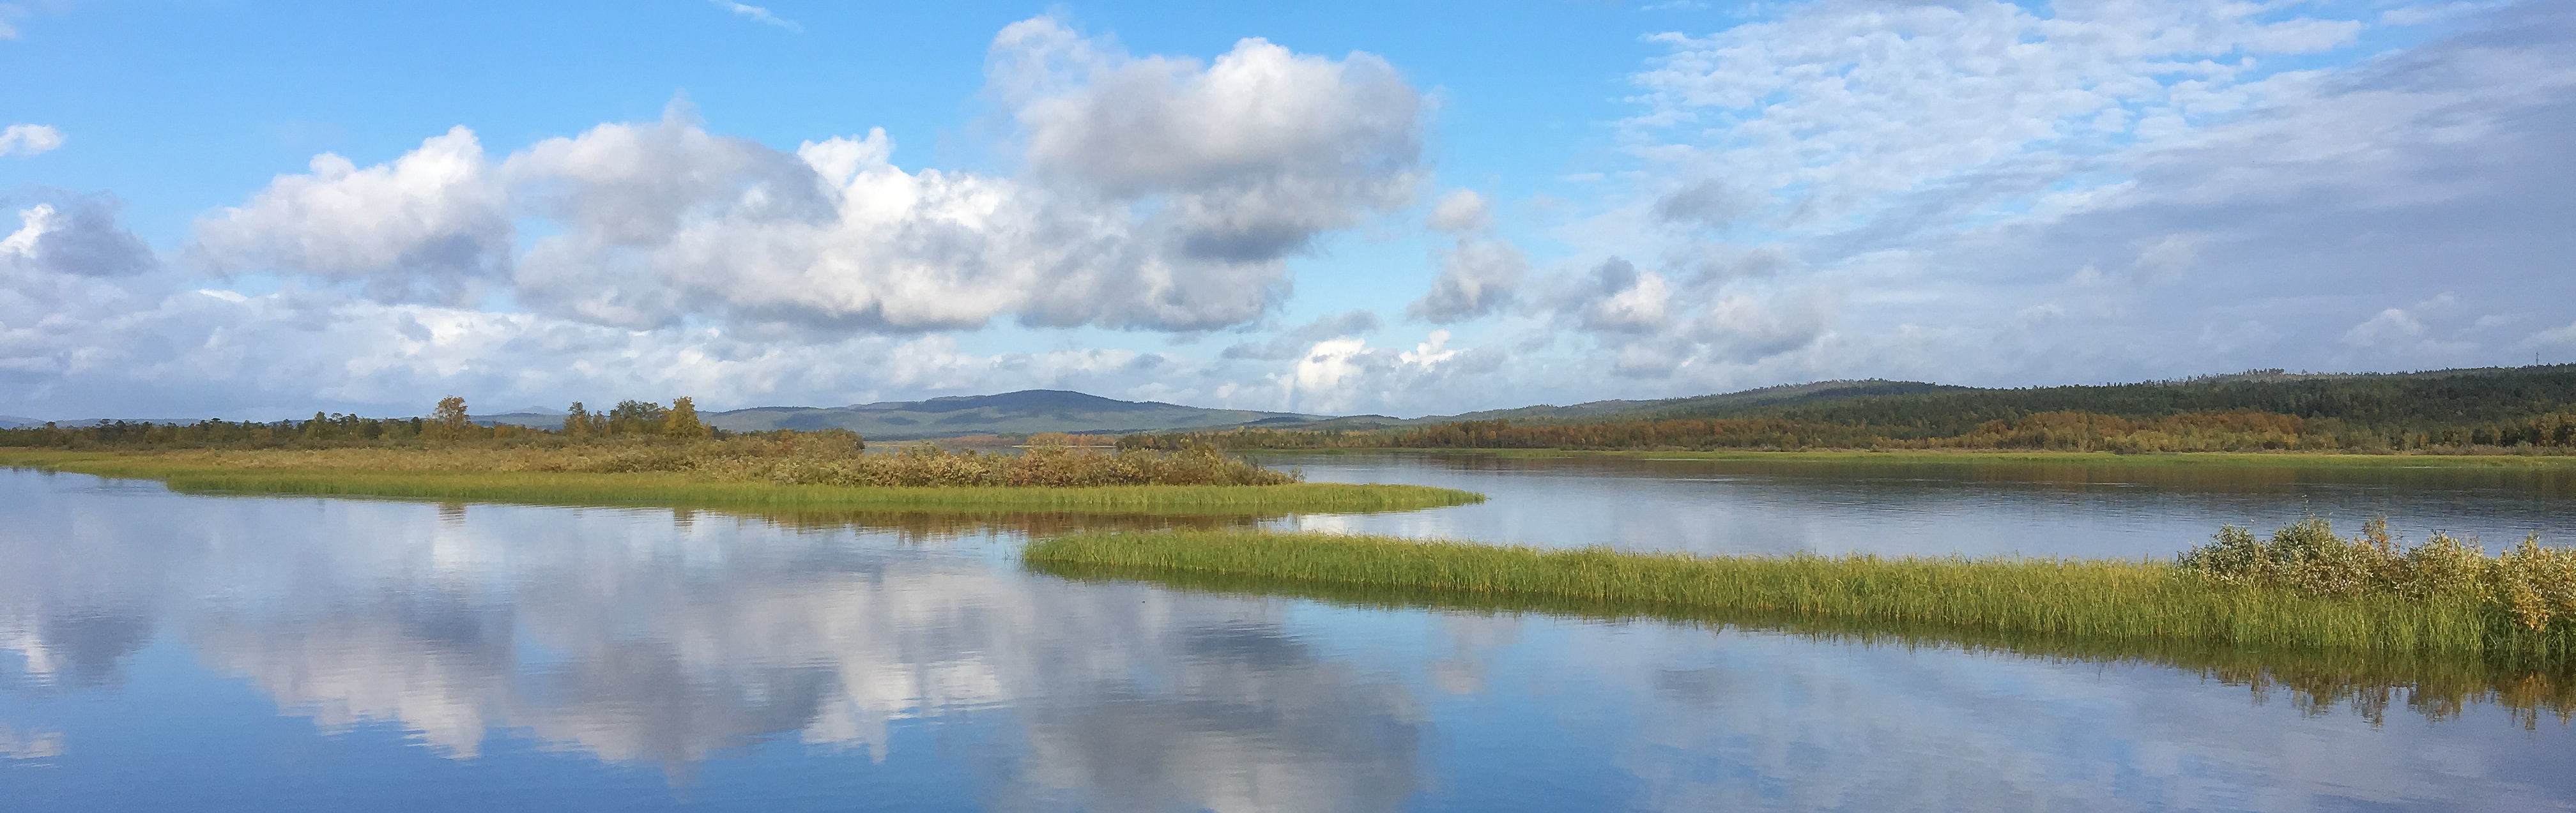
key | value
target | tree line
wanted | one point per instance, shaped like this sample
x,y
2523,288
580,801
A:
x,y
2524,409
629,421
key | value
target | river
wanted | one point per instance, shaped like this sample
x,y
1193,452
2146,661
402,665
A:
x,y
161,651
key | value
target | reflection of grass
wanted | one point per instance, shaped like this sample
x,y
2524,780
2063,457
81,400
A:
x,y
2370,683
680,489
1971,456
918,525
2052,598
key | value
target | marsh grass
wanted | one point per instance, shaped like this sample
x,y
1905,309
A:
x,y
471,475
2320,681
2065,599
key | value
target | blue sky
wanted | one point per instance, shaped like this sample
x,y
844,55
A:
x,y
255,209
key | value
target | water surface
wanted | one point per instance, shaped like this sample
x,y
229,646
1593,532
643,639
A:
x,y
162,651
1975,508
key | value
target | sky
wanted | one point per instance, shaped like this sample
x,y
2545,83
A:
x,y
224,208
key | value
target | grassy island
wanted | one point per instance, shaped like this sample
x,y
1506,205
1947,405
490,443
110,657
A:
x,y
710,475
2305,588
645,453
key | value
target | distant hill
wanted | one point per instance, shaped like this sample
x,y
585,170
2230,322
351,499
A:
x,y
1783,395
1010,413
14,422
2491,407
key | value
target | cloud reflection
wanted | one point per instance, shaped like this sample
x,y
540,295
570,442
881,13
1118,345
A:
x,y
653,638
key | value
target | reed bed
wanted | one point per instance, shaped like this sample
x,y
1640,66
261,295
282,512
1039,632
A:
x,y
2370,684
456,476
2109,600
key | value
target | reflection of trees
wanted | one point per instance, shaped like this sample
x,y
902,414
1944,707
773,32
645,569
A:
x,y
666,637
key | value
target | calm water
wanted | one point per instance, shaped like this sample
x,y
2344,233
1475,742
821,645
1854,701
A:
x,y
160,651
1935,508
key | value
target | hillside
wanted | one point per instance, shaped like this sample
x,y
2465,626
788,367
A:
x,y
2533,408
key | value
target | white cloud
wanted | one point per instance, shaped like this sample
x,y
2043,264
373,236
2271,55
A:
x,y
1481,275
80,237
757,14
432,225
1159,194
1460,212
1345,374
23,140
1254,154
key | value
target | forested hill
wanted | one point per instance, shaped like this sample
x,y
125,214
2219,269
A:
x,y
2420,401
2530,408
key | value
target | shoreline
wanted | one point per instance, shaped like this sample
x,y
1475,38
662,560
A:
x,y
684,491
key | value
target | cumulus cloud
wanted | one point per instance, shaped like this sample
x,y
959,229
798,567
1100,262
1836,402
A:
x,y
1158,193
1338,375
426,226
1254,153
24,140
1481,275
1478,276
1460,212
73,235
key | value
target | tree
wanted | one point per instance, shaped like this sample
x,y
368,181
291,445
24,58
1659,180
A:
x,y
682,421
632,417
577,422
448,422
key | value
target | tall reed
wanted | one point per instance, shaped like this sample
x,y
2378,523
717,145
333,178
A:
x,y
2371,684
2066,598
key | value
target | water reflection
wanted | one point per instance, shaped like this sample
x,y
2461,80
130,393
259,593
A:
x,y
647,637
2040,509
825,661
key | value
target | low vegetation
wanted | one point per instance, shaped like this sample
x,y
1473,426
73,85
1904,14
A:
x,y
2287,593
644,453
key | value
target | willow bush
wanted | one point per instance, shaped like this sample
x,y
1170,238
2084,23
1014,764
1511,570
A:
x,y
2534,583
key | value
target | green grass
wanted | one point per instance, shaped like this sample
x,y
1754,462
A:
x,y
2370,683
672,489
1971,457
2059,599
